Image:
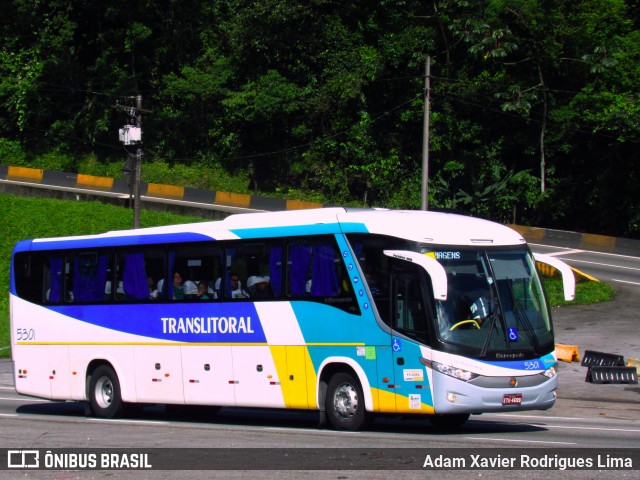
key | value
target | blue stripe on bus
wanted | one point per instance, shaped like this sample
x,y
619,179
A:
x,y
320,323
293,231
123,241
300,230
235,322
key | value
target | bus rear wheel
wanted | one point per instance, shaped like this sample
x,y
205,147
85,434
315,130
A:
x,y
104,393
449,420
345,403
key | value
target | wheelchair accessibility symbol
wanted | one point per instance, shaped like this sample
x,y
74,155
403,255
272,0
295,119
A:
x,y
513,334
397,345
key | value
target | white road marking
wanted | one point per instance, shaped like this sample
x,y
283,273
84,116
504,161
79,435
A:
x,y
567,252
513,440
605,265
128,422
625,281
22,399
625,430
573,250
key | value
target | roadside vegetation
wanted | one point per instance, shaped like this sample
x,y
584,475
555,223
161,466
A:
x,y
534,104
24,218
587,292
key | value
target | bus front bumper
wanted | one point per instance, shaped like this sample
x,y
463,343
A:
x,y
457,396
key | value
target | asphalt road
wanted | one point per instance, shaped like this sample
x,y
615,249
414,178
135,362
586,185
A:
x,y
610,327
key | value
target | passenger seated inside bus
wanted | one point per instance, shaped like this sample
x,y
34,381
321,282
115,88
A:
x,y
190,289
180,289
233,288
203,292
153,291
119,289
259,287
56,300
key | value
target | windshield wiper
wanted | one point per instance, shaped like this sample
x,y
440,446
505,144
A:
x,y
492,318
522,318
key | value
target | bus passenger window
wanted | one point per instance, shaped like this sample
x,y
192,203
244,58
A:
x,y
410,314
191,266
85,277
253,270
316,272
31,273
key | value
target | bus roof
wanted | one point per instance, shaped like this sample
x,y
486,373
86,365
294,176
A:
x,y
426,227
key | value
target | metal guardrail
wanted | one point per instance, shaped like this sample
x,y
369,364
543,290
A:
x,y
117,188
237,202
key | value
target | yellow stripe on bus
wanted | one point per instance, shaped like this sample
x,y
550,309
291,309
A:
x,y
389,402
296,374
383,400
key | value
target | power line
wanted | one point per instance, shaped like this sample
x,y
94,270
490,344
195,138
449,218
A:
x,y
322,139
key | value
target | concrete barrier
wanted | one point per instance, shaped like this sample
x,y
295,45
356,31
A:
x,y
567,353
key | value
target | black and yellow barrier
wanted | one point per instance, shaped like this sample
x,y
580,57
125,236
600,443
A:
x,y
28,175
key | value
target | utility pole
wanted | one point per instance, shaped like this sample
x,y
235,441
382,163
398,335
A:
x,y
425,135
131,134
138,164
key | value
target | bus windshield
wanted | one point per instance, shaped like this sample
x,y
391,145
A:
x,y
495,306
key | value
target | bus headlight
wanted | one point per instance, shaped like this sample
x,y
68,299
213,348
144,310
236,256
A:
x,y
551,371
454,372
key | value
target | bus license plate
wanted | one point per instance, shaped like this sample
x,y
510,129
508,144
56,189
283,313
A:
x,y
512,399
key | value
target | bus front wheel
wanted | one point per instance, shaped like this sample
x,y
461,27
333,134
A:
x,y
345,403
104,393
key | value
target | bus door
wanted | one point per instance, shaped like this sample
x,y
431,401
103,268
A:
x,y
410,319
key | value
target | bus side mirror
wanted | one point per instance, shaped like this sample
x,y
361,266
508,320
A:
x,y
568,279
434,269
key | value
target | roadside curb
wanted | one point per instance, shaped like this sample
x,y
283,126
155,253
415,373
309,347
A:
x,y
582,241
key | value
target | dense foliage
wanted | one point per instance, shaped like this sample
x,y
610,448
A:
x,y
535,104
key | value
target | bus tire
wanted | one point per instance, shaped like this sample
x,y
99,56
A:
x,y
105,399
449,420
344,403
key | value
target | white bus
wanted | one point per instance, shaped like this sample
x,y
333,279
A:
x,y
347,312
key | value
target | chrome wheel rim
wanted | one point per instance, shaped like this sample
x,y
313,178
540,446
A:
x,y
345,401
104,392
